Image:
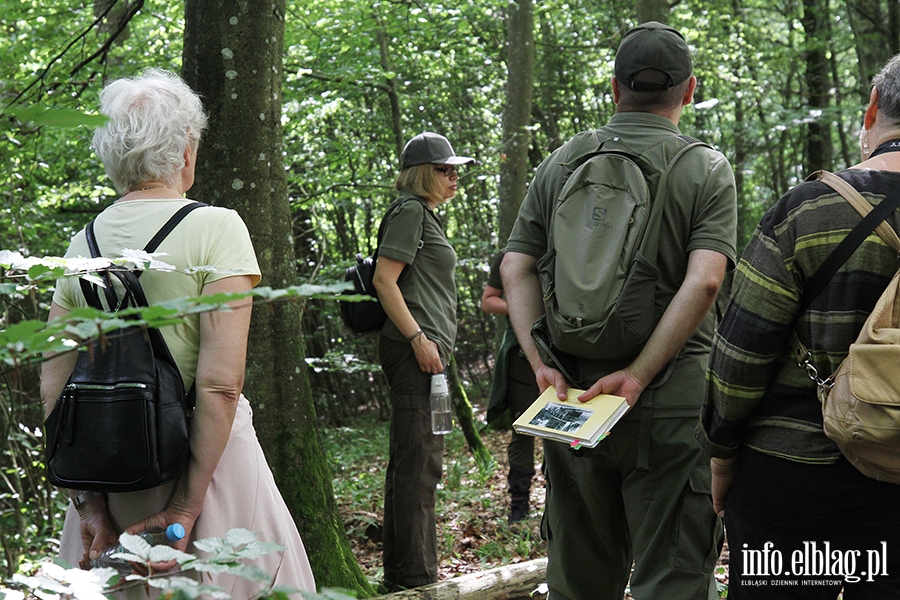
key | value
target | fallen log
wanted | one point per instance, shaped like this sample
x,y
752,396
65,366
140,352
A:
x,y
509,582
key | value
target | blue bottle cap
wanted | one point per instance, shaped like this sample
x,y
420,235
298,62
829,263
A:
x,y
175,532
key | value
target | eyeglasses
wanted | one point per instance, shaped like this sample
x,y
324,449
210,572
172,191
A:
x,y
448,171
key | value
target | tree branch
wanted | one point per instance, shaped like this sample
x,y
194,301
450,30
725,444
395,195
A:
x,y
322,77
80,37
107,45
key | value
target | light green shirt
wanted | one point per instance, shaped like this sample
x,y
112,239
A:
x,y
209,236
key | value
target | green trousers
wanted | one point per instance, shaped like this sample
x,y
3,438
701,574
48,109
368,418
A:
x,y
605,511
413,472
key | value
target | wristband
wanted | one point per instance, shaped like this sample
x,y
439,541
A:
x,y
83,497
415,335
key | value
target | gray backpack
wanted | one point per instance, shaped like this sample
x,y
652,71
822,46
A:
x,y
600,270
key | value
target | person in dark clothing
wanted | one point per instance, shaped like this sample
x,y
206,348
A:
x,y
414,278
513,387
785,489
641,497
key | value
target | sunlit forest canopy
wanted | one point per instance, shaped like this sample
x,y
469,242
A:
x,y
782,88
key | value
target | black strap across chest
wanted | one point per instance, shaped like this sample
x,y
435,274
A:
x,y
134,292
848,246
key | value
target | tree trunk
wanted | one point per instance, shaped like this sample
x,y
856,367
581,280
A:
x,y
233,57
875,33
550,68
818,85
509,582
746,218
516,113
849,152
463,409
391,86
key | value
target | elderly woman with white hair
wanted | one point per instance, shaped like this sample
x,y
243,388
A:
x,y
149,149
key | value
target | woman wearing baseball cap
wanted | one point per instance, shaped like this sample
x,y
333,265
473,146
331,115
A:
x,y
414,277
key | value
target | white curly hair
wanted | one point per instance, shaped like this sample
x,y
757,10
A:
x,y
152,118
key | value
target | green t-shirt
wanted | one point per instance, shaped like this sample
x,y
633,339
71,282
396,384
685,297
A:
x,y
701,208
428,285
209,236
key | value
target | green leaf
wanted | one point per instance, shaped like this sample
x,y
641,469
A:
x,y
128,555
84,330
36,271
256,549
63,118
251,572
135,543
165,553
213,568
212,545
23,329
239,537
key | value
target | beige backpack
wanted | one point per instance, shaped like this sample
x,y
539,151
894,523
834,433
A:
x,y
861,400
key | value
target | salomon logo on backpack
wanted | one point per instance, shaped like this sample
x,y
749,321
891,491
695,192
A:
x,y
600,270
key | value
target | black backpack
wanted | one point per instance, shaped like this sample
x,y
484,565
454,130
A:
x,y
367,316
122,422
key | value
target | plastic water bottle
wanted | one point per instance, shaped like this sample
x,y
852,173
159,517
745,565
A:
x,y
155,536
441,423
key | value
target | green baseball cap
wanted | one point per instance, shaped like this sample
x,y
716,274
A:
x,y
653,45
432,148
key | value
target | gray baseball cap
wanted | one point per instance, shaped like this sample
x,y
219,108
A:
x,y
430,147
653,45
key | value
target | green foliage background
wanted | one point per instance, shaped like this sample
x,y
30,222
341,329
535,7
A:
x,y
360,79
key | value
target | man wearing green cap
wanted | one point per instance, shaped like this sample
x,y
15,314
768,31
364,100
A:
x,y
641,497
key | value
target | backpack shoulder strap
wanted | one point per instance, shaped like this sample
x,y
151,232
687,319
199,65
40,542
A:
x,y
90,291
384,220
173,221
650,241
588,149
862,206
872,219
657,207
597,144
156,240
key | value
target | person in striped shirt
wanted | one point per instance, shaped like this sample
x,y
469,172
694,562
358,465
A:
x,y
795,508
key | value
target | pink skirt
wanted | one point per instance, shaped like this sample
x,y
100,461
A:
x,y
242,494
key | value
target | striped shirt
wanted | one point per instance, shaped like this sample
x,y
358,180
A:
x,y
756,394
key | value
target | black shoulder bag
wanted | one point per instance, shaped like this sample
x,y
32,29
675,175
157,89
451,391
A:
x,y
122,422
368,316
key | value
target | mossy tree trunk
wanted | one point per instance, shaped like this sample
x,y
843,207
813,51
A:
x,y
464,415
233,57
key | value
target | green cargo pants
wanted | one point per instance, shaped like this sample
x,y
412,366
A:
x,y
606,511
413,472
521,391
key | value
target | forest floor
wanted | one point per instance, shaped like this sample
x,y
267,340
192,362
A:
x,y
472,504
